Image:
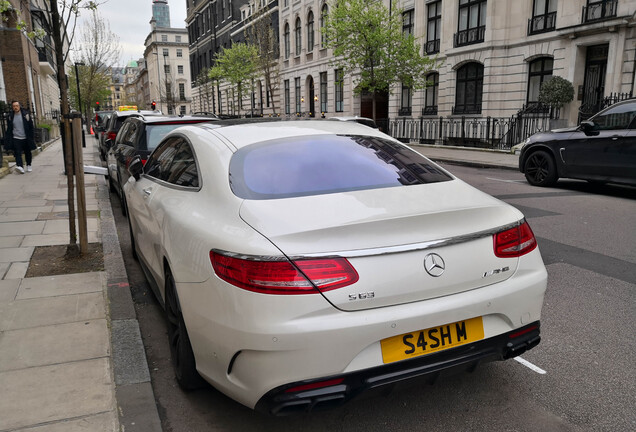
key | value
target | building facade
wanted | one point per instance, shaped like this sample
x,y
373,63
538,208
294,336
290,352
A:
x,y
28,68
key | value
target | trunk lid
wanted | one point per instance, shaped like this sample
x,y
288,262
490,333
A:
x,y
386,234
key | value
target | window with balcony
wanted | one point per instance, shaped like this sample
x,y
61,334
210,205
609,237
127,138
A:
x,y
286,40
323,92
408,22
323,18
472,22
599,10
543,16
433,27
540,71
310,31
406,103
468,94
430,94
298,36
339,90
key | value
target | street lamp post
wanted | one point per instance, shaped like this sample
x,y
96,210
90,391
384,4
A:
x,y
79,97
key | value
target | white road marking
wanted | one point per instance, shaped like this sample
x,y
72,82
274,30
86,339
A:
x,y
529,365
506,181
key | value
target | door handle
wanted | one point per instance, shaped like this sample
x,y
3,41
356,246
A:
x,y
147,192
561,151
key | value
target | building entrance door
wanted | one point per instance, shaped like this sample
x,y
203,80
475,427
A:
x,y
594,83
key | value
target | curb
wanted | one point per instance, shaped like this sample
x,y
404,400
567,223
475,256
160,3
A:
x,y
133,389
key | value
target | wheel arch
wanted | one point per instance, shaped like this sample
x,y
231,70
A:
x,y
535,148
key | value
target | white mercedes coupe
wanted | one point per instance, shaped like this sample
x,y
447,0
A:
x,y
301,263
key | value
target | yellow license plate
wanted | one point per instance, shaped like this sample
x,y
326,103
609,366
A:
x,y
431,340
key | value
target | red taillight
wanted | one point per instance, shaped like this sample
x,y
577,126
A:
x,y
283,277
143,162
312,386
111,135
514,242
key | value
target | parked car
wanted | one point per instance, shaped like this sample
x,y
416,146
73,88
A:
x,y
601,149
99,122
113,125
139,135
357,119
301,263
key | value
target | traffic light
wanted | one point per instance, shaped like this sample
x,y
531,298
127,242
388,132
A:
x,y
97,106
153,105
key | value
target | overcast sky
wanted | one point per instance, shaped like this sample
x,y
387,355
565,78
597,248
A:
x,y
130,20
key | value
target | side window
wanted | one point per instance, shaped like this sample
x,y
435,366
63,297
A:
x,y
618,117
158,164
183,171
120,135
128,137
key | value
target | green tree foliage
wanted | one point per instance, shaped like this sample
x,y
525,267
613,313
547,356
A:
x,y
369,43
238,67
556,92
94,86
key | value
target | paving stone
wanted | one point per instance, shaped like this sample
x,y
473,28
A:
x,y
61,285
11,241
105,422
61,226
51,310
17,254
8,289
51,393
56,239
21,228
17,270
48,345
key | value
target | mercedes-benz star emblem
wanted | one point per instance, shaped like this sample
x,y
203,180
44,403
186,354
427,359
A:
x,y
434,265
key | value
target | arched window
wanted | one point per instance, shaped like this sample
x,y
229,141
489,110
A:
x,y
298,36
323,16
430,94
286,39
310,31
540,71
468,94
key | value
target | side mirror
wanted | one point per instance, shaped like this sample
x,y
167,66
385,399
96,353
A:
x,y
136,167
587,127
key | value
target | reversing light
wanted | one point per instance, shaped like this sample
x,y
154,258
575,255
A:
x,y
304,276
514,242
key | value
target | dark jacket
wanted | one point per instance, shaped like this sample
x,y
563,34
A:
x,y
27,119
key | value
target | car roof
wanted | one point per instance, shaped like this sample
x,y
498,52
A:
x,y
173,118
243,132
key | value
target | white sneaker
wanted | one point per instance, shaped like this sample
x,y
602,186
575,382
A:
x,y
29,169
19,169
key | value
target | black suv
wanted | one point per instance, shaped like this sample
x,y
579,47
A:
x,y
112,126
139,135
601,149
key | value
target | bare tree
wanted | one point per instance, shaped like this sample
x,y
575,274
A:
x,y
98,49
263,36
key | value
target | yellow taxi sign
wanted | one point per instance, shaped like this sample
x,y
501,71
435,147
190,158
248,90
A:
x,y
128,108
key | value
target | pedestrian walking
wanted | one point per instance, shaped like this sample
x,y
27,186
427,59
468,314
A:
x,y
20,136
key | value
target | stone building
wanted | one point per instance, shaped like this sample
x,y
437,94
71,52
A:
x,y
28,68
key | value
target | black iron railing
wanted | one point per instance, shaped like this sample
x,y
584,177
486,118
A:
x,y
599,10
432,46
484,132
470,36
429,110
542,23
587,110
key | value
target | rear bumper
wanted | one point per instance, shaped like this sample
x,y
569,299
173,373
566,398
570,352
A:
x,y
342,388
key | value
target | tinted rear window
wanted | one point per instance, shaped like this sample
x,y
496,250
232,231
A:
x,y
316,165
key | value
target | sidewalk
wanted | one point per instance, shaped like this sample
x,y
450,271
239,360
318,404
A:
x,y
478,158
71,355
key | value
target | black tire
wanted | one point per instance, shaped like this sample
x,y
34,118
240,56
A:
x,y
181,353
540,169
111,186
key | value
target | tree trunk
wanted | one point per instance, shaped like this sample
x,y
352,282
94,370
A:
x,y
73,248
